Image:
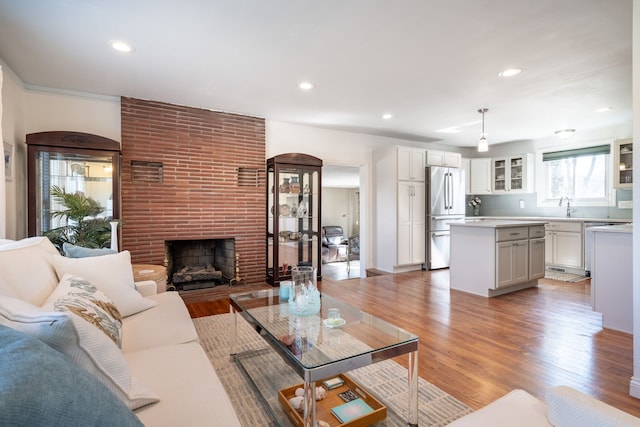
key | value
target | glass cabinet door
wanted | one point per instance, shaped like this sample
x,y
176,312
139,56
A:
x,y
293,215
623,163
75,168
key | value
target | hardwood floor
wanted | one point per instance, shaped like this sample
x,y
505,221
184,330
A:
x,y
478,349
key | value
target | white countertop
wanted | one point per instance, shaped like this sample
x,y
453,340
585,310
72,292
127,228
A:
x,y
549,219
495,223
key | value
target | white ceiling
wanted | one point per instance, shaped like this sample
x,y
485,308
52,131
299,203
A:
x,y
430,63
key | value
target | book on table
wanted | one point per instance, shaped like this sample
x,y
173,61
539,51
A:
x,y
351,410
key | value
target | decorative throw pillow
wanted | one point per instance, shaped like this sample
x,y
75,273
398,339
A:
x,y
27,270
78,296
112,274
39,386
74,251
81,342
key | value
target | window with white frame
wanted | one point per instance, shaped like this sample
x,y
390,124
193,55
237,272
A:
x,y
582,175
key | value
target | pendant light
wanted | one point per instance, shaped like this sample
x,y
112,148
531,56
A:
x,y
483,144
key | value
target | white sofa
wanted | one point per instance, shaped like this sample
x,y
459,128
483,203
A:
x,y
159,343
564,407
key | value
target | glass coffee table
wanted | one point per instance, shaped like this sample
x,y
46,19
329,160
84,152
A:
x,y
313,349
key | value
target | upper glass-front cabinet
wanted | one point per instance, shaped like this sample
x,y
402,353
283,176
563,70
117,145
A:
x,y
623,163
76,163
293,215
512,174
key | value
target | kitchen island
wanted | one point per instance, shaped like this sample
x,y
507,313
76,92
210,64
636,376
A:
x,y
494,257
612,276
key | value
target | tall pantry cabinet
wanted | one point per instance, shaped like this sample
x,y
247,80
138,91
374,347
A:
x,y
399,200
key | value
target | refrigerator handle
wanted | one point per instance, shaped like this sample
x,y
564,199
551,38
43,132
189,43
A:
x,y
451,190
446,191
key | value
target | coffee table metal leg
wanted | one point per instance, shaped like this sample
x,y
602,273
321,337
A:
x,y
413,389
234,331
309,415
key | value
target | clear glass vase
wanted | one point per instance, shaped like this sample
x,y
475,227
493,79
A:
x,y
304,297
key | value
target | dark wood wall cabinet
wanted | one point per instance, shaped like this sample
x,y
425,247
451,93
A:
x,y
76,162
294,193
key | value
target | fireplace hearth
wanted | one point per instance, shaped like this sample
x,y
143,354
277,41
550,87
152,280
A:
x,y
199,263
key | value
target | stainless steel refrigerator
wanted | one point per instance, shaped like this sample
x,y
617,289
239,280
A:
x,y
445,204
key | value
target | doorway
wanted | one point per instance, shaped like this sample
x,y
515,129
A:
x,y
341,208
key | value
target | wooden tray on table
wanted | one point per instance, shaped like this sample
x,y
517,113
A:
x,y
324,406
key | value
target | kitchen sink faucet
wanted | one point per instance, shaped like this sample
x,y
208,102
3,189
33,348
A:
x,y
562,199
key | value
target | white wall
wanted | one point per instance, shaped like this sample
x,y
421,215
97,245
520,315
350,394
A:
x,y
338,209
48,111
13,132
635,379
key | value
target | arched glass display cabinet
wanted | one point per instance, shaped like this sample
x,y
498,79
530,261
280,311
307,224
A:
x,y
294,188
75,162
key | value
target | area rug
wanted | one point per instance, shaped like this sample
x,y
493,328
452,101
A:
x,y
388,378
563,277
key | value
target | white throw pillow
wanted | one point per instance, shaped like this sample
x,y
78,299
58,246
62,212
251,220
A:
x,y
26,269
83,343
78,296
112,274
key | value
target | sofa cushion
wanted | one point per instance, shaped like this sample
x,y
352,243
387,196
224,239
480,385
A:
x,y
183,372
27,269
81,342
568,407
167,323
80,297
112,274
41,387
75,251
517,408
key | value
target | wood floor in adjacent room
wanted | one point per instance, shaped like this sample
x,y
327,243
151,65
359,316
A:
x,y
478,349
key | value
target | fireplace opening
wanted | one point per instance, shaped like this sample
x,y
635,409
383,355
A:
x,y
199,264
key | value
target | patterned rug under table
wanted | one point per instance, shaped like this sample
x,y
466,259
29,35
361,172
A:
x,y
386,379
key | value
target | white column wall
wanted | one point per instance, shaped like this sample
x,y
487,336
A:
x,y
635,379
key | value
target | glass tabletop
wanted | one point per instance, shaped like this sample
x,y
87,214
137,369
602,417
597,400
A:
x,y
317,346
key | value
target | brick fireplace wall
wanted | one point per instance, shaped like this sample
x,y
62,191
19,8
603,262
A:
x,y
190,173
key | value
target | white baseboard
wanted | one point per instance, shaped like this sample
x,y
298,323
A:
x,y
634,387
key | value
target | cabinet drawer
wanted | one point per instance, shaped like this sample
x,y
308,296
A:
x,y
512,233
574,227
536,232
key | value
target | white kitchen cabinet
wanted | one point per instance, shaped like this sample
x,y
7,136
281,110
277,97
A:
x,y
623,163
480,176
399,203
513,174
410,163
444,158
466,167
411,223
564,246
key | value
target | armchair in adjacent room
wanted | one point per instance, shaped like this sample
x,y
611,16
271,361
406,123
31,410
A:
x,y
335,246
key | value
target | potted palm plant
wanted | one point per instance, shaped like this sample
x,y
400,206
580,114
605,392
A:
x,y
83,226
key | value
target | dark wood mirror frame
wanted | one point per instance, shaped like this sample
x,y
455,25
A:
x,y
73,143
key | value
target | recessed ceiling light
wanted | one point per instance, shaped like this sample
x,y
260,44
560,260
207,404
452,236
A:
x,y
565,133
387,116
306,85
121,46
510,72
603,109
